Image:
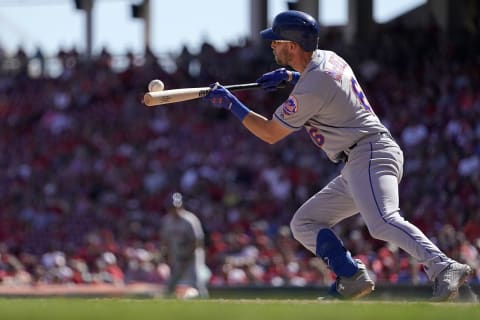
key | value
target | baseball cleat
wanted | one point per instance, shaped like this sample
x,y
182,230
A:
x,y
447,283
357,286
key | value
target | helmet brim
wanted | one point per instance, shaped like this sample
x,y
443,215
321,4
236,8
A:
x,y
268,34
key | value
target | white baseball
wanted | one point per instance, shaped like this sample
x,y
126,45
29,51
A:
x,y
155,85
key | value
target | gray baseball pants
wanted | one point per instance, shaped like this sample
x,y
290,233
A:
x,y
368,184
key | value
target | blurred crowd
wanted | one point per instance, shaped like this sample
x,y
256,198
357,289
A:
x,y
86,170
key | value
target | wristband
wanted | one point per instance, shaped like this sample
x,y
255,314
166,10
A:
x,y
239,110
293,77
290,75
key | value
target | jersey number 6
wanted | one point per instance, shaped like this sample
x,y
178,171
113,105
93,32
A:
x,y
360,95
316,136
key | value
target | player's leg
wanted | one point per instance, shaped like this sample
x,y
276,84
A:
x,y
187,281
324,209
311,226
202,273
375,191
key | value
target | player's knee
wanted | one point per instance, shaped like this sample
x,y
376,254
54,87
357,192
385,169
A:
x,y
300,227
303,226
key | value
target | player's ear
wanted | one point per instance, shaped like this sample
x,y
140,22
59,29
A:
x,y
294,46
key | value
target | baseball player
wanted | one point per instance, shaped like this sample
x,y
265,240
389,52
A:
x,y
329,103
183,240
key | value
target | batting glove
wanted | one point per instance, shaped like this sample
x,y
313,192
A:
x,y
221,97
272,80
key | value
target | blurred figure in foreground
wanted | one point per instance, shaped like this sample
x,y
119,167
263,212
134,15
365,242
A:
x,y
183,244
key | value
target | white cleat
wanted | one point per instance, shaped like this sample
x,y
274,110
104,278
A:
x,y
357,286
447,283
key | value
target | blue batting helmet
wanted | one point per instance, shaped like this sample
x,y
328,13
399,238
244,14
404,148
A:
x,y
295,26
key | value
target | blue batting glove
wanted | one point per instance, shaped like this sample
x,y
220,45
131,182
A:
x,y
272,80
221,97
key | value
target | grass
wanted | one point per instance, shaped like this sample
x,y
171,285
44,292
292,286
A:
x,y
159,309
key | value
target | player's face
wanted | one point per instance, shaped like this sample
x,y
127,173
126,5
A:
x,y
281,51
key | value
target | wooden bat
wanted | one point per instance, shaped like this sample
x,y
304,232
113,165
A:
x,y
155,98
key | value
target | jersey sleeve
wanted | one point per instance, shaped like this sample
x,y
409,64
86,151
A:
x,y
305,101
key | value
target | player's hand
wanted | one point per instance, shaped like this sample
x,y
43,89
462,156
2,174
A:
x,y
271,80
220,97
275,79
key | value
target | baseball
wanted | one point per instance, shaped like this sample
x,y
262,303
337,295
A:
x,y
155,85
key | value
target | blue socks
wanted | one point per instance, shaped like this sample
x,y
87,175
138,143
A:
x,y
334,254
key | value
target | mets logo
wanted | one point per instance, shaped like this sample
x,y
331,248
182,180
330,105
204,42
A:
x,y
290,106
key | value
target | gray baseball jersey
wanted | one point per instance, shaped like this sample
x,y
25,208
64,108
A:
x,y
180,237
183,235
328,101
330,104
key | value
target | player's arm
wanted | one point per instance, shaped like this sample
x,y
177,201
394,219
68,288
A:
x,y
269,131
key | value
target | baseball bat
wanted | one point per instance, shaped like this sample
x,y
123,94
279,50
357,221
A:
x,y
155,98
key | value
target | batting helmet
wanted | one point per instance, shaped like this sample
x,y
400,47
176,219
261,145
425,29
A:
x,y
295,26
